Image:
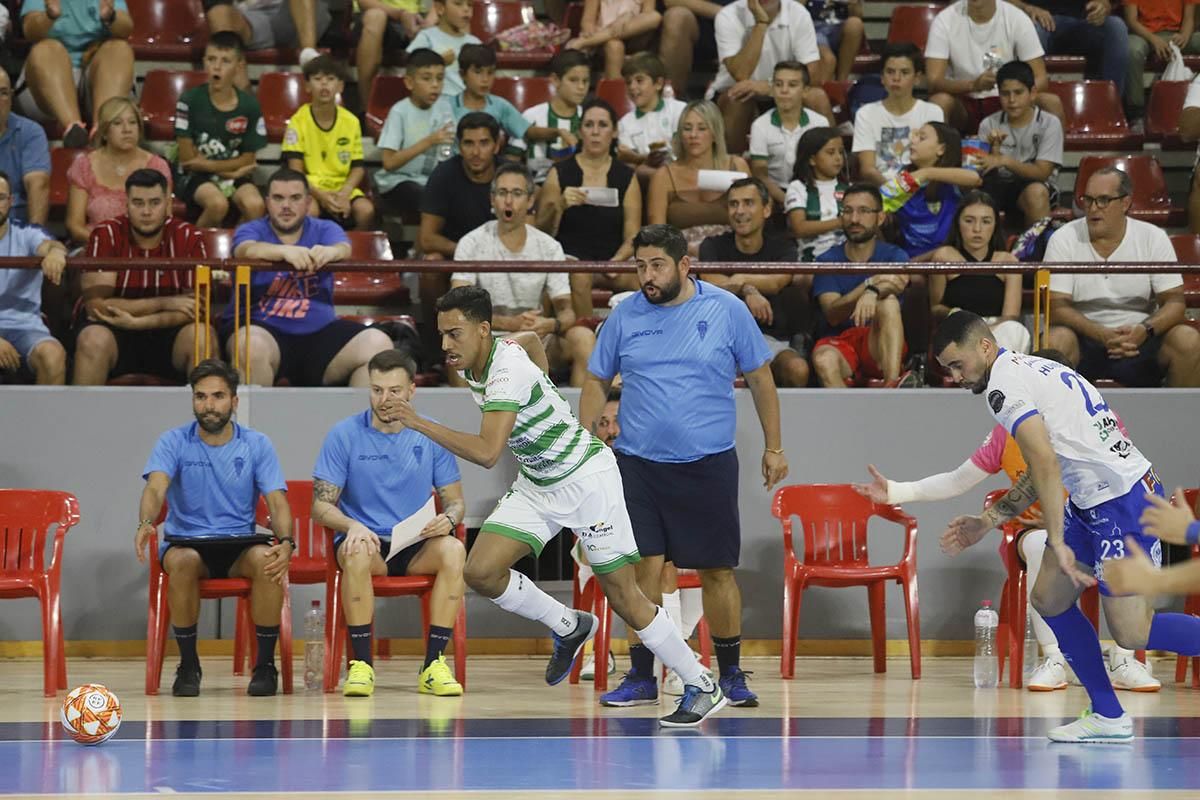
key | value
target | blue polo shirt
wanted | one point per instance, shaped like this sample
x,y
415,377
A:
x,y
841,283
21,289
23,149
384,477
678,364
289,302
214,490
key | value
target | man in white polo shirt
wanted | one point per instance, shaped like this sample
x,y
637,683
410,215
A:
x,y
752,37
517,296
968,43
1189,131
1124,327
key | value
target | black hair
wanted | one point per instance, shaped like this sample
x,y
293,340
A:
x,y
1050,354
647,64
597,102
388,360
423,57
144,178
475,55
566,60
976,197
864,188
214,368
763,193
951,140
474,303
903,50
614,395
478,119
287,175
227,40
811,142
794,66
325,65
667,237
960,328
1016,71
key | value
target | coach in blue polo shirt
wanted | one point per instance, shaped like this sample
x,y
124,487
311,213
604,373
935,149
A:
x,y
373,473
211,473
678,346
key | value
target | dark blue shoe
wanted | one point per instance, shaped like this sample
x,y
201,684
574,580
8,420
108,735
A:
x,y
735,689
566,648
694,707
633,691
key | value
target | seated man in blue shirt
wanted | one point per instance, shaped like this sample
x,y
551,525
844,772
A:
x,y
212,472
373,473
860,333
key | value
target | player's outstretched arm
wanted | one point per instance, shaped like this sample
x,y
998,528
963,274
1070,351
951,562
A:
x,y
483,448
1136,574
153,494
591,401
1171,522
966,531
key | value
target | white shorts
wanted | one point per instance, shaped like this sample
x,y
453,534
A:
x,y
592,506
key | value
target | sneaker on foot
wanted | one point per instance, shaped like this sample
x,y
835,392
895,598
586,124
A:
x,y
187,682
633,691
308,54
1091,728
588,671
75,136
1048,676
673,684
1131,674
566,648
736,691
264,682
438,679
694,707
360,680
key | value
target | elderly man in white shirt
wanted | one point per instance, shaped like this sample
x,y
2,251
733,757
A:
x,y
1124,327
517,296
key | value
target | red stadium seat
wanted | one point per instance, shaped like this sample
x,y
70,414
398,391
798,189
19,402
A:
x,y
833,520
26,517
386,91
279,95
168,30
161,90
839,98
61,159
1162,114
612,91
1095,120
218,242
1151,200
912,23
523,92
370,288
573,18
489,18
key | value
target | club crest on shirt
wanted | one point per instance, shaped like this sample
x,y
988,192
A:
x,y
417,451
239,464
237,125
996,400
702,328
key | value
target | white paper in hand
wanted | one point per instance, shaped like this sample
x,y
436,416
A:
x,y
717,180
408,532
602,196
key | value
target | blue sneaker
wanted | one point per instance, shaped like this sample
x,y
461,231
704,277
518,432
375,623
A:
x,y
566,648
735,689
694,707
633,691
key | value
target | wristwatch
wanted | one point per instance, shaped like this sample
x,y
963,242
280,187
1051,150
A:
x,y
288,539
1149,329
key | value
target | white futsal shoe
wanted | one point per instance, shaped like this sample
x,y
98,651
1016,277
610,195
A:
x,y
588,671
1049,676
1091,728
1126,672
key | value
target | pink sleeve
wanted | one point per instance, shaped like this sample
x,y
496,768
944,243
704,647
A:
x,y
80,173
1121,425
988,456
158,163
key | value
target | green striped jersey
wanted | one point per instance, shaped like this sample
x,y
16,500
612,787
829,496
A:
x,y
547,439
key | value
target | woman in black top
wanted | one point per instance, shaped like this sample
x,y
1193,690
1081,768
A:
x,y
591,227
975,236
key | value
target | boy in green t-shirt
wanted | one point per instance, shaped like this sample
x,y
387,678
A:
x,y
219,128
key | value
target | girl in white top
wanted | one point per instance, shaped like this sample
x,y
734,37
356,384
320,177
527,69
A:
x,y
814,197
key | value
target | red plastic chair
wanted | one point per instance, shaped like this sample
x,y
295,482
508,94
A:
x,y
1095,120
218,242
1151,198
1162,114
523,92
370,288
26,516
833,520
161,90
1190,606
490,18
280,94
386,91
612,91
912,24
210,588
839,94
61,159
590,597
337,635
168,30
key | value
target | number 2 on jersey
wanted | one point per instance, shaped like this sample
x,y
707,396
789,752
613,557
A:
x,y
1073,381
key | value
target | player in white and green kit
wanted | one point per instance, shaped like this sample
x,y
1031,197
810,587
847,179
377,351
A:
x,y
568,478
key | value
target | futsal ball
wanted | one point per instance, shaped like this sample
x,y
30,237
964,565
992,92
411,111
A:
x,y
91,714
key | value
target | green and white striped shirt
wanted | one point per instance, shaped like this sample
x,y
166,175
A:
x,y
547,439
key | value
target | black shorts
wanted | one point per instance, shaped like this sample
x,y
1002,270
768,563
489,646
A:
x,y
218,556
186,189
304,357
686,512
404,198
1139,370
149,352
398,566
1006,190
395,38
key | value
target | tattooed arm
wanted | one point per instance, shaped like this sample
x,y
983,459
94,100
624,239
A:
x,y
326,512
1021,496
453,505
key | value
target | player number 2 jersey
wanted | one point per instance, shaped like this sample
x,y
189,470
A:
x,y
547,439
1098,461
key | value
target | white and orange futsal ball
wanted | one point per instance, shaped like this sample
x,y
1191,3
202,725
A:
x,y
91,713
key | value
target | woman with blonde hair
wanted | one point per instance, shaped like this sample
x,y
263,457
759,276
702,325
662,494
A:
x,y
97,178
675,196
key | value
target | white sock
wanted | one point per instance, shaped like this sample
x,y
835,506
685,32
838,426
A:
x,y
1033,546
665,642
670,604
691,603
523,598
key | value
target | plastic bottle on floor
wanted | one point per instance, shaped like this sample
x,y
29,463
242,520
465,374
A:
x,y
314,647
1031,648
986,667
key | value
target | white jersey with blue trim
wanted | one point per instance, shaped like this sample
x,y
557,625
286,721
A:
x,y
1098,461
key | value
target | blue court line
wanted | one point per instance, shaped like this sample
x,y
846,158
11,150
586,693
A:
x,y
680,760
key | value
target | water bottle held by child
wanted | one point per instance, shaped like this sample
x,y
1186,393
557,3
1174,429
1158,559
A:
x,y
314,647
986,667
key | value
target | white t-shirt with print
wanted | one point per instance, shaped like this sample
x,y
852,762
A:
x,y
1008,36
889,135
771,142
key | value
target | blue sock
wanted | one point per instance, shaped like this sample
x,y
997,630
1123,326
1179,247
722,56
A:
x,y
1081,646
1179,633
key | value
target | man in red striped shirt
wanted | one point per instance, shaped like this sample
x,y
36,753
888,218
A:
x,y
138,320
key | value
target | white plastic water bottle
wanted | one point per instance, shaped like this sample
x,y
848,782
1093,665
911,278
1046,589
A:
x,y
314,647
445,149
1031,648
986,667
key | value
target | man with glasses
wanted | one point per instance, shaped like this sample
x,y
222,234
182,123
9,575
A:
x,y
860,333
1122,327
517,296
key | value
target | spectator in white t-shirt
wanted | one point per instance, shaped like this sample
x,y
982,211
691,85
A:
x,y
517,296
1125,327
968,43
774,135
814,198
1189,131
752,37
883,129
